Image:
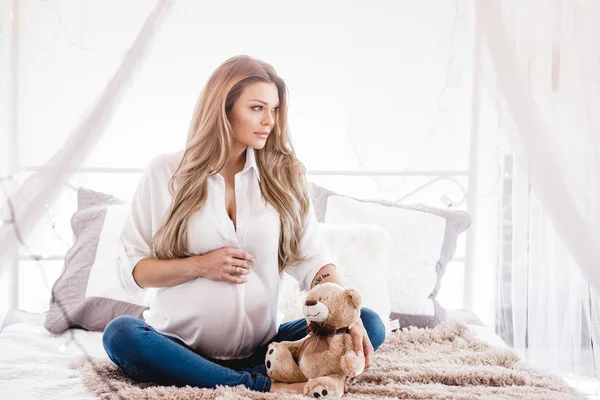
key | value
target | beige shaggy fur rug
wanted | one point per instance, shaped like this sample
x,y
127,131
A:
x,y
446,362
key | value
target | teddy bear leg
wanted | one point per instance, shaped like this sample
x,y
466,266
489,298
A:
x,y
352,364
328,387
281,365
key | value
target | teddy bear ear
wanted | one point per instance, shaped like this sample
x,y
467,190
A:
x,y
354,297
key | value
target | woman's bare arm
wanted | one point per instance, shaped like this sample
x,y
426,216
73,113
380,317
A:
x,y
224,264
151,272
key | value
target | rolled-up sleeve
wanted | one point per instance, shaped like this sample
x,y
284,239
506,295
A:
x,y
313,247
137,231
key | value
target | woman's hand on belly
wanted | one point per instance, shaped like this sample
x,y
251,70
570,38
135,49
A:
x,y
225,264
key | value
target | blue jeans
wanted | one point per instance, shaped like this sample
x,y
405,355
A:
x,y
149,356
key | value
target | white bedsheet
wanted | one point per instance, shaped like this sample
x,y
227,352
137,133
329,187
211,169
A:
x,y
35,364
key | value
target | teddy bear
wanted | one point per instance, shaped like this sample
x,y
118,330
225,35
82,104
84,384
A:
x,y
325,358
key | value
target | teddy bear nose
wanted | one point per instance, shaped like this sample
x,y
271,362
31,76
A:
x,y
311,303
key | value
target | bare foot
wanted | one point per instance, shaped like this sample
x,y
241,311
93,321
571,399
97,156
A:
x,y
277,387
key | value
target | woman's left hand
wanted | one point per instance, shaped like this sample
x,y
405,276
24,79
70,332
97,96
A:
x,y
362,343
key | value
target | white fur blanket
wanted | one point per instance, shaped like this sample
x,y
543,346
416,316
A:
x,y
446,362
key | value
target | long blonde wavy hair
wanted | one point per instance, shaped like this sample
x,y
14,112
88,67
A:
x,y
208,147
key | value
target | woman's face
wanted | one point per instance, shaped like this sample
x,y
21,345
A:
x,y
253,114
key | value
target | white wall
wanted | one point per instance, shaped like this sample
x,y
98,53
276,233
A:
x,y
383,86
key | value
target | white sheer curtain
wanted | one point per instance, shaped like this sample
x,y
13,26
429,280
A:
x,y
542,66
21,211
7,277
6,95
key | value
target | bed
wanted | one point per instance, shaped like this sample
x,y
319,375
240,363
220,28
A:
x,y
37,365
394,254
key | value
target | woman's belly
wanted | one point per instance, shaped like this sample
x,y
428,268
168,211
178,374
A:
x,y
217,319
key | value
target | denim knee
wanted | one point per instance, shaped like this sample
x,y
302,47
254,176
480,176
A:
x,y
118,334
374,326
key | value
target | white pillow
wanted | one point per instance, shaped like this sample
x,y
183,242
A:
x,y
104,279
88,293
361,253
417,238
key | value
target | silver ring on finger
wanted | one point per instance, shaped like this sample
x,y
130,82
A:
x,y
236,270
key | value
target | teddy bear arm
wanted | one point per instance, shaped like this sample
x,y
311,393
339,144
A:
x,y
348,344
351,363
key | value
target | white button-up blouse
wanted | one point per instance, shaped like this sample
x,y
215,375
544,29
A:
x,y
218,319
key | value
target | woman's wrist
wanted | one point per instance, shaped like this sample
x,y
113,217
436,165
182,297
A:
x,y
197,266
